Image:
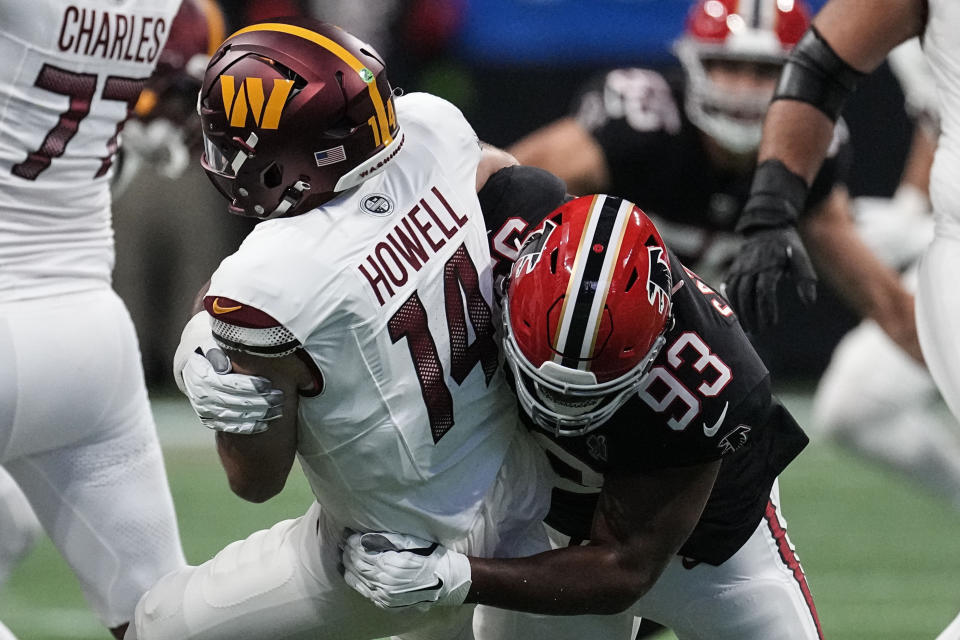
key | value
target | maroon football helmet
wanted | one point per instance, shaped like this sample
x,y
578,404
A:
x,y
586,310
293,111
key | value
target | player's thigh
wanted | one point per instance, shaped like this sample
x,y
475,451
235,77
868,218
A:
x,y
490,623
106,505
938,307
72,371
282,582
760,593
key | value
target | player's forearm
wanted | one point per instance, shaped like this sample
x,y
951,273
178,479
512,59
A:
x,y
567,581
798,135
257,465
868,286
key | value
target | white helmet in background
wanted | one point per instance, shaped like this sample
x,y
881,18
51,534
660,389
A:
x,y
757,31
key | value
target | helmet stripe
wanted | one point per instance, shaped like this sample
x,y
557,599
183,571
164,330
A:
x,y
560,334
756,20
338,51
580,315
606,276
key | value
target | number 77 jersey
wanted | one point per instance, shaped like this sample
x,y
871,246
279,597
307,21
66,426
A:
x,y
71,72
387,289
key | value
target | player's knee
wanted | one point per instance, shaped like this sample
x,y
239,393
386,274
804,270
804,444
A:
x,y
159,611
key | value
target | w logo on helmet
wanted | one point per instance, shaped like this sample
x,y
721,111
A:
x,y
249,99
659,280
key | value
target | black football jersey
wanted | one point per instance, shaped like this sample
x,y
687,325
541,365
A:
x,y
657,158
706,397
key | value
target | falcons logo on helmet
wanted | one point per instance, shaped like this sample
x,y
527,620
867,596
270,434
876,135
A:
x,y
659,280
533,247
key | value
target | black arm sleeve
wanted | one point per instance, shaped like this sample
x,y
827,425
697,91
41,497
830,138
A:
x,y
520,192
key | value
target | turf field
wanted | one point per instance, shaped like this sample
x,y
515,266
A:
x,y
882,557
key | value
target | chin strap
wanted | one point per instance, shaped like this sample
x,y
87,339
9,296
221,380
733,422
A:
x,y
290,198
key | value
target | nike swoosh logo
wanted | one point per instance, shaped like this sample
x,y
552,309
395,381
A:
x,y
433,587
712,431
218,309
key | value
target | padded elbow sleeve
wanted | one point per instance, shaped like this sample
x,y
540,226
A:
x,y
815,74
521,191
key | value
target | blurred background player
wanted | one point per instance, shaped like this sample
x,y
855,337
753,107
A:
x,y
76,432
684,150
160,191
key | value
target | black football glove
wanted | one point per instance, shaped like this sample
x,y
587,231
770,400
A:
x,y
771,248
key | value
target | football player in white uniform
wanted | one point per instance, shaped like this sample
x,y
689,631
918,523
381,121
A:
x,y
873,399
365,296
849,38
76,432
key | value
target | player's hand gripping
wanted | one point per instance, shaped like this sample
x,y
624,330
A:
x,y
396,571
771,249
224,401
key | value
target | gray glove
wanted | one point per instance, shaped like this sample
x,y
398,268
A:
x,y
396,571
224,401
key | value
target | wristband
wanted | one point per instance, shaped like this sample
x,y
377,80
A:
x,y
777,197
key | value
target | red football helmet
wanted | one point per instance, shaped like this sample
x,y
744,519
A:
x,y
294,111
758,31
585,313
164,132
196,32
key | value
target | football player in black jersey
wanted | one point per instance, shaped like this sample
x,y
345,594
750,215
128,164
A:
x,y
658,417
684,150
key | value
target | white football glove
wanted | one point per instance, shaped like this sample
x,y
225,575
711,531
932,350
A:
x,y
395,571
224,401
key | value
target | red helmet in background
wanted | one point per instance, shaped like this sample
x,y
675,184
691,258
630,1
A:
x,y
294,111
163,132
758,31
585,313
196,32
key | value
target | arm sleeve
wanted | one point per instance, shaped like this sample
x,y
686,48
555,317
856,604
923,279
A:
x,y
520,192
241,327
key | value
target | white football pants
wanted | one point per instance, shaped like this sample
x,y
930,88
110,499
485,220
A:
x,y
760,593
77,435
938,319
285,582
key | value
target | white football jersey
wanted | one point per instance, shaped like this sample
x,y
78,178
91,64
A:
x,y
942,48
70,73
389,290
